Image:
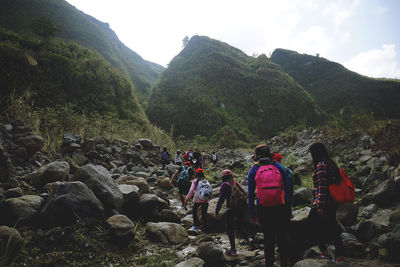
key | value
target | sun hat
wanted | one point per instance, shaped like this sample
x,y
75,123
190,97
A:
x,y
187,163
226,172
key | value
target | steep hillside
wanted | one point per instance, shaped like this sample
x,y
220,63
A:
x,y
212,88
336,89
58,72
18,15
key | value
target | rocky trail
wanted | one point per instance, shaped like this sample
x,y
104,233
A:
x,y
108,203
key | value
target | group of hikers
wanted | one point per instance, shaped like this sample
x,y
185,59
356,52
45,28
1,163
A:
x,y
197,159
269,201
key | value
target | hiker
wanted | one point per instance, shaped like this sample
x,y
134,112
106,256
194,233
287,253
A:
x,y
190,155
214,157
288,172
165,157
236,204
322,217
185,156
202,191
197,160
203,156
178,158
274,192
183,183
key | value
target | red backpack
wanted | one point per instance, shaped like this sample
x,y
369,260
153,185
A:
x,y
343,192
269,186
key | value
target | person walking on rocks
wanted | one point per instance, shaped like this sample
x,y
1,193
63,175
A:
x,y
322,217
178,158
274,191
184,174
214,157
236,203
165,157
202,191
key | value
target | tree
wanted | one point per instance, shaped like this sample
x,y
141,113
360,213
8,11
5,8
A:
x,y
44,27
185,41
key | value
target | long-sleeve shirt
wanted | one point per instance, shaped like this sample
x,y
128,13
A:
x,y
224,194
178,158
320,182
192,191
287,184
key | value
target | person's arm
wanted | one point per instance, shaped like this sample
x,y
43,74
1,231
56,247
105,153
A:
x,y
223,193
251,186
173,177
191,191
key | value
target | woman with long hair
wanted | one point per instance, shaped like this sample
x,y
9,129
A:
x,y
322,216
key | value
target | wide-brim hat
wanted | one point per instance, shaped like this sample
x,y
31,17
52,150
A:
x,y
261,150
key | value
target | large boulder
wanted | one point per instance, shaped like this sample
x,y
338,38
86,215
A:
x,y
32,143
166,233
147,144
52,172
301,214
319,263
302,196
211,253
150,207
347,213
122,228
22,210
163,182
131,196
99,180
192,262
133,180
10,244
70,202
386,194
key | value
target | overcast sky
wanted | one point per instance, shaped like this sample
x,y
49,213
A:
x,y
363,35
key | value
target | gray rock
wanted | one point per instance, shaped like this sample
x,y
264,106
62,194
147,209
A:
x,y
13,192
120,142
163,182
162,173
395,217
70,202
146,144
52,172
166,233
378,164
122,228
366,230
319,263
192,262
381,218
99,180
352,247
144,175
133,180
169,216
150,206
371,182
131,196
23,210
301,214
10,239
302,196
211,253
368,211
386,194
347,213
32,143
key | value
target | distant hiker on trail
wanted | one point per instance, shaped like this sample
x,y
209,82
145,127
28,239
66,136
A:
x,y
165,157
178,158
202,191
214,157
185,175
197,158
236,203
190,155
203,156
274,191
322,216
185,156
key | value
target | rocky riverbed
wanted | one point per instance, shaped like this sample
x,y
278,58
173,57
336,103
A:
x,y
107,202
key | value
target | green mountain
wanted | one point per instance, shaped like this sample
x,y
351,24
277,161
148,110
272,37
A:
x,y
72,24
339,90
213,89
57,72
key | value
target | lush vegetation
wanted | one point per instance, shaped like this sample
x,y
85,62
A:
x,y
340,91
24,17
51,123
215,90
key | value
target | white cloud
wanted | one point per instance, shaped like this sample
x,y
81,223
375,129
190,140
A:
x,y
376,63
341,12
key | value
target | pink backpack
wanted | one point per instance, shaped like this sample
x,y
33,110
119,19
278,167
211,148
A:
x,y
269,186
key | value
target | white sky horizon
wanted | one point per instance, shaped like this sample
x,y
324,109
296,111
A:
x,y
362,35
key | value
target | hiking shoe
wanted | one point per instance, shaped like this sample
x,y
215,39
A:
x,y
251,243
194,229
184,208
325,256
231,253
